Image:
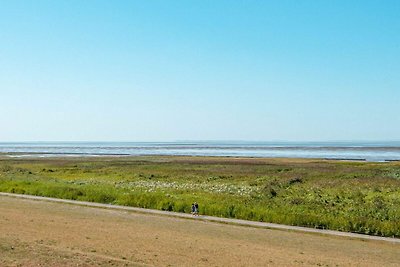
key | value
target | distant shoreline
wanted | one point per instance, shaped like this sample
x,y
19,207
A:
x,y
352,151
38,155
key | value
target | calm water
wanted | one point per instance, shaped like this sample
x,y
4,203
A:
x,y
377,151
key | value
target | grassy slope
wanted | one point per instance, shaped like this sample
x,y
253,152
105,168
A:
x,y
348,196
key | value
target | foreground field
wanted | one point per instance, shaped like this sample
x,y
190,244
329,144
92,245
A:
x,y
348,196
35,233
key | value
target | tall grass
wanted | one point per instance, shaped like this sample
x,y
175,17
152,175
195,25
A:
x,y
356,197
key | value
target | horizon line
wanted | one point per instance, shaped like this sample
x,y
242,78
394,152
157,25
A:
x,y
204,140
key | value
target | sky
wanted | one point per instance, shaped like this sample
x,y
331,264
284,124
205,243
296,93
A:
x,y
199,70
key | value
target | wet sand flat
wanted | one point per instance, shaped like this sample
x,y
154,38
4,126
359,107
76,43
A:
x,y
41,233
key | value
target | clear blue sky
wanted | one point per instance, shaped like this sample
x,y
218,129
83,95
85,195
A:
x,y
190,70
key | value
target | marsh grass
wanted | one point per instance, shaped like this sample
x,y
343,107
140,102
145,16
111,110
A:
x,y
345,196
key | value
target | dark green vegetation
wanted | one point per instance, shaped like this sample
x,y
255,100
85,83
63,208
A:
x,y
348,196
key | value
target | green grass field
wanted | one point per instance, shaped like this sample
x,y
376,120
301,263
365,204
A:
x,y
347,196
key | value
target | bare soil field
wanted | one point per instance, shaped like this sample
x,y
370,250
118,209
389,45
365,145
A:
x,y
36,233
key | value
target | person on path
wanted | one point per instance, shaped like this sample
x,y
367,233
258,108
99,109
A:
x,y
193,209
196,209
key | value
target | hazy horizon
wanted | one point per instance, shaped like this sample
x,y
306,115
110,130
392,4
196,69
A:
x,y
200,141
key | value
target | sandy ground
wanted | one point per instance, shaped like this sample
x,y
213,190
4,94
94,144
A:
x,y
36,233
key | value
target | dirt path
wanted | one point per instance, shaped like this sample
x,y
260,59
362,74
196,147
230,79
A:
x,y
36,233
207,218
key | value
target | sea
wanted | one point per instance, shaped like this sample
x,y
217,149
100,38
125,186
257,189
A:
x,y
346,150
